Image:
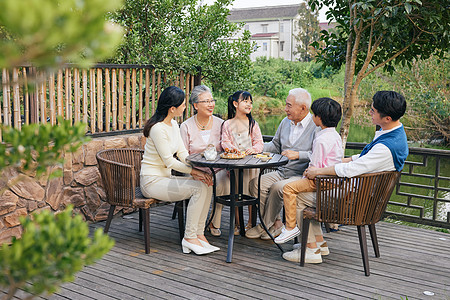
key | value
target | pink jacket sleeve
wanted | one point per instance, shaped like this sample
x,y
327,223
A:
x,y
257,139
318,155
185,136
227,137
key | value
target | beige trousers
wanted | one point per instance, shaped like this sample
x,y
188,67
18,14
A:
x,y
222,188
271,197
174,188
308,199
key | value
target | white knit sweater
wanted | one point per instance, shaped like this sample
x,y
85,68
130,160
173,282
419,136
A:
x,y
162,143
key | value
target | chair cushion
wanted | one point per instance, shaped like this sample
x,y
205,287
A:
x,y
309,213
140,201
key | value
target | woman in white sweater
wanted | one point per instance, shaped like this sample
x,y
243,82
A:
x,y
163,142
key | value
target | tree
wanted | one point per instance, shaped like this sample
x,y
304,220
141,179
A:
x,y
48,33
425,85
28,35
308,32
182,34
51,250
379,34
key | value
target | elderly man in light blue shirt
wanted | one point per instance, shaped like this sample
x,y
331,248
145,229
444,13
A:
x,y
293,139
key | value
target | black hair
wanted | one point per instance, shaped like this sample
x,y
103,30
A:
x,y
240,95
329,111
389,103
172,96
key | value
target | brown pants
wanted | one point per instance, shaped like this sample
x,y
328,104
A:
x,y
290,192
308,200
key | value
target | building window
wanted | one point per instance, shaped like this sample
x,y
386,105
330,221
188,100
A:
x,y
264,28
264,46
281,27
246,27
281,46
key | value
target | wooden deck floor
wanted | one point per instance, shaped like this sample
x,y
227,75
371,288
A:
x,y
412,261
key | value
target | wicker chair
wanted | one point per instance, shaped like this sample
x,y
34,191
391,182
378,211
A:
x,y
358,201
120,170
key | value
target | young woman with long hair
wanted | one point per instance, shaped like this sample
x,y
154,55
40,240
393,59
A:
x,y
163,142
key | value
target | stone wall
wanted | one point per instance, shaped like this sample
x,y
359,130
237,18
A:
x,y
81,185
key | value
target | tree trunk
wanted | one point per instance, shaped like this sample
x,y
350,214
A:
x,y
347,113
198,77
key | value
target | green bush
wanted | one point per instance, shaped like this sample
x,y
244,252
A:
x,y
318,71
275,77
425,86
51,250
434,109
266,77
283,91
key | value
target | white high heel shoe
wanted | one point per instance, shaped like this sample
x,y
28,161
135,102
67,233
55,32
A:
x,y
209,246
199,250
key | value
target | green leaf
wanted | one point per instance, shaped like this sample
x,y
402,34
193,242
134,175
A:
x,y
51,250
51,32
408,7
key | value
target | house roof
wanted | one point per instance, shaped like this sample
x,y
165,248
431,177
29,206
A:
x,y
326,26
264,13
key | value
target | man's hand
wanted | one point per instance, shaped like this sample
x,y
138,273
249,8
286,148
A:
x,y
346,159
291,155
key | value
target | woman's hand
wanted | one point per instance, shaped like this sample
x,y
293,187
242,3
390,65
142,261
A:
x,y
202,176
250,151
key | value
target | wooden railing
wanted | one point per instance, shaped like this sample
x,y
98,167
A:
x,y
106,97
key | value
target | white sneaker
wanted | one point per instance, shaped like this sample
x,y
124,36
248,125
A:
x,y
323,246
312,256
287,235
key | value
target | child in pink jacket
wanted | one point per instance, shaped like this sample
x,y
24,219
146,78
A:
x,y
241,132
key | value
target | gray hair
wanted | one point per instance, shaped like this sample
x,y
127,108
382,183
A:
x,y
197,91
301,96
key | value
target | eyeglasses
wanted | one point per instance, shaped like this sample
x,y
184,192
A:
x,y
208,101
